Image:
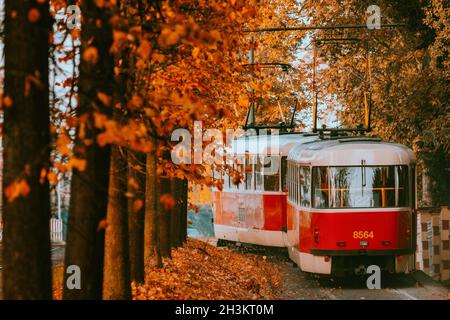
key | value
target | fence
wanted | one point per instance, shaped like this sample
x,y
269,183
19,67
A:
x,y
433,252
56,230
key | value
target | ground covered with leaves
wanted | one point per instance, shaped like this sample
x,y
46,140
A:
x,y
199,270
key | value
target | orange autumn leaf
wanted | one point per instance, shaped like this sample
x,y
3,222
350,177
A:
x,y
195,52
167,201
145,50
137,205
220,185
59,166
135,102
235,178
90,55
199,270
169,37
52,178
158,57
18,188
133,183
104,98
34,15
63,144
7,101
43,176
76,163
243,101
102,225
100,120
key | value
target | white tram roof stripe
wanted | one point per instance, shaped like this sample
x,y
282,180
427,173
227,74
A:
x,y
351,153
270,145
306,148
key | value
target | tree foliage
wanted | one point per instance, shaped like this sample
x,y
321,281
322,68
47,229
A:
x,y
409,68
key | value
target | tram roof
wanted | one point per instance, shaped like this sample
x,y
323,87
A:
x,y
351,152
270,144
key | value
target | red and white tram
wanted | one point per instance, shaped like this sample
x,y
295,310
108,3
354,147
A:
x,y
336,203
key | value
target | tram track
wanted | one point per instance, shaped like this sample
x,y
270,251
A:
x,y
299,285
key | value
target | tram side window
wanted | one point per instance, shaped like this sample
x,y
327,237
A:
x,y
241,170
292,191
226,181
413,186
291,182
233,177
305,186
284,173
289,178
272,174
321,187
258,176
292,187
297,185
249,173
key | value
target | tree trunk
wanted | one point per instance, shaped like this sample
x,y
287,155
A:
x,y
136,171
176,186
26,141
89,189
184,208
116,276
165,215
152,255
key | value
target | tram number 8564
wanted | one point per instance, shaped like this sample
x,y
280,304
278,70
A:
x,y
363,234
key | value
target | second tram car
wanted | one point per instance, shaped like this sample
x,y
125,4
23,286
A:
x,y
337,204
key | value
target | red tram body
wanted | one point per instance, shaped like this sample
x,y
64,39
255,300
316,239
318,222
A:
x,y
336,204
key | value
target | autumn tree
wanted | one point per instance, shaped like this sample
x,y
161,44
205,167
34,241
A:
x,y
170,41
136,213
89,195
116,283
26,142
152,254
409,88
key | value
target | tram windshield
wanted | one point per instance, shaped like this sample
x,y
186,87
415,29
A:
x,y
360,187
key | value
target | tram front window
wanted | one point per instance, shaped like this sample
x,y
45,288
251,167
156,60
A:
x,y
360,187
